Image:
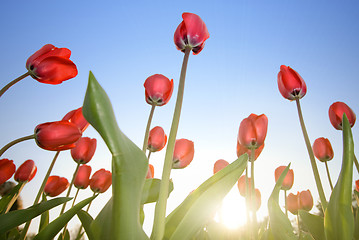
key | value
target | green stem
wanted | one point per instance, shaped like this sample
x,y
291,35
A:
x,y
149,155
247,199
356,163
74,200
27,225
298,223
253,195
12,201
330,180
145,140
311,156
160,210
10,144
3,90
285,202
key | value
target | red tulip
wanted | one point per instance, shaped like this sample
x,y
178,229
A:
x,y
252,131
191,32
305,200
241,184
82,178
57,136
55,185
151,171
157,139
7,169
336,111
84,150
219,165
323,149
288,179
26,172
76,117
158,89
242,150
291,85
101,180
183,153
293,203
51,65
357,185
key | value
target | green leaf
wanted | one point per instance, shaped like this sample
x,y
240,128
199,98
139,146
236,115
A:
x,y
101,225
129,163
338,217
314,223
15,218
200,205
86,221
305,236
45,216
279,223
151,190
10,198
56,225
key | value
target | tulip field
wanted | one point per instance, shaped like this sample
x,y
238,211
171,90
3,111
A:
x,y
132,181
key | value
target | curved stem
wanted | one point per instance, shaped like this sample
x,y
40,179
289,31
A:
x,y
10,144
145,140
69,189
149,155
3,90
330,180
160,210
311,157
356,163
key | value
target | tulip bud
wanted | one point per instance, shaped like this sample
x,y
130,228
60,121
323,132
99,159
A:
x,y
51,65
76,117
192,32
158,89
84,150
305,200
151,171
101,180
242,185
357,185
26,172
183,153
323,149
252,131
7,169
291,85
219,165
292,203
157,139
57,136
55,185
336,111
288,179
82,178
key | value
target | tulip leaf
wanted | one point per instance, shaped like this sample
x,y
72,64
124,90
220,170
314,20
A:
x,y
151,190
314,224
279,223
129,163
86,221
15,218
338,217
305,236
45,216
101,225
200,205
356,230
56,225
10,197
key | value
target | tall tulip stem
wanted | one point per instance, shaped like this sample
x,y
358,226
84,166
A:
x,y
10,144
145,140
249,221
253,195
160,210
311,156
3,90
12,201
330,180
356,163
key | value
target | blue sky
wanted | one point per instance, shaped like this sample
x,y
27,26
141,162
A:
x,y
125,42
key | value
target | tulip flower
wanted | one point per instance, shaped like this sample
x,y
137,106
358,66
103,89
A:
x,y
51,65
57,136
291,85
151,171
82,178
158,89
323,149
288,179
192,32
252,131
100,181
357,185
84,150
242,150
26,172
76,117
336,111
258,198
305,200
55,185
7,169
292,203
242,185
219,165
183,153
157,139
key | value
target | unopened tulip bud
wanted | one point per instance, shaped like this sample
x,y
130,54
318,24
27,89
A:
x,y
183,153
252,131
293,203
305,200
7,169
82,178
242,185
288,179
158,89
26,172
219,165
84,150
151,171
336,111
157,139
323,149
100,181
291,85
55,185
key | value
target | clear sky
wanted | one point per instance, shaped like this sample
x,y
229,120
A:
x,y
124,42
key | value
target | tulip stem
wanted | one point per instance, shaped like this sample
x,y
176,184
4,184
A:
x,y
160,209
145,140
330,180
77,193
356,163
149,155
247,203
10,144
253,197
311,156
3,90
27,225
